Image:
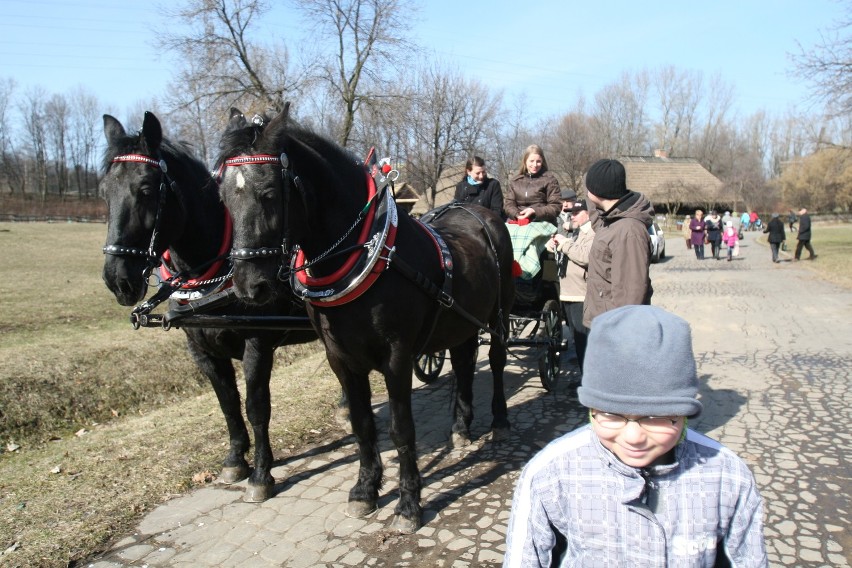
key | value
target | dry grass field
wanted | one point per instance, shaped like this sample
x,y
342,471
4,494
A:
x,y
98,422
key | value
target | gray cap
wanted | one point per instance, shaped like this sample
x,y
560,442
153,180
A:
x,y
639,362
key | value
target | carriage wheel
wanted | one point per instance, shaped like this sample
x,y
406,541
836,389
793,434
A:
x,y
428,366
551,331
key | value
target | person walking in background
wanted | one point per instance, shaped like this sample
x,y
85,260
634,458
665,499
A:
x,y
775,228
713,224
791,220
476,187
636,486
534,192
731,240
752,220
687,232
698,233
725,218
620,258
572,285
804,235
745,219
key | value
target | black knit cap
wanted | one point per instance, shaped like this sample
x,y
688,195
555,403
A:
x,y
607,179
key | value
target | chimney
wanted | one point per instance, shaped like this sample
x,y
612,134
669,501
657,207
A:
x,y
660,154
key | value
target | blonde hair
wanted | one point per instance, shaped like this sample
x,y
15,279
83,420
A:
x,y
533,149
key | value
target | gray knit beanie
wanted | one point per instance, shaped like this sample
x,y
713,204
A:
x,y
639,362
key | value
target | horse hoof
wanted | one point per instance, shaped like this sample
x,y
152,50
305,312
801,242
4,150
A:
x,y
360,509
257,493
499,434
234,474
403,525
459,440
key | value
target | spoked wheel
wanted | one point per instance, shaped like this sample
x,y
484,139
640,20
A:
x,y
428,366
551,331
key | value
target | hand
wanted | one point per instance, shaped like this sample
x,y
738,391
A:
x,y
555,242
526,213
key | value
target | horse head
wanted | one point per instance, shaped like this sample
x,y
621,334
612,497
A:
x,y
284,186
145,214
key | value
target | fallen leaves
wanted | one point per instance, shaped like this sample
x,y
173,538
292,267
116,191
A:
x,y
203,478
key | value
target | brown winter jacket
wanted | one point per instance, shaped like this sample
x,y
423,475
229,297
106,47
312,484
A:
x,y
541,192
620,257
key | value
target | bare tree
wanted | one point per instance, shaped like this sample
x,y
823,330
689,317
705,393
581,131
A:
x,y
57,118
11,165
679,93
369,41
447,123
32,110
222,67
573,149
83,140
828,66
620,117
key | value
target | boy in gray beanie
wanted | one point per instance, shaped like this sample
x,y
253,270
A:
x,y
636,487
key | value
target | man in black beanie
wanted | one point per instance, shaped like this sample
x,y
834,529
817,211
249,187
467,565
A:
x,y
621,253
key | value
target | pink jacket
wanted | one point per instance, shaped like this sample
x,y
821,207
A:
x,y
729,236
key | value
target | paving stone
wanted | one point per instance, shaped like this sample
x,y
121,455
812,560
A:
x,y
770,391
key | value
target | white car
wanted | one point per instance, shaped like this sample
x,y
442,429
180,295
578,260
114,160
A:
x,y
658,242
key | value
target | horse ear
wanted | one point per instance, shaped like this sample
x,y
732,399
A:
x,y
278,123
236,119
113,130
152,132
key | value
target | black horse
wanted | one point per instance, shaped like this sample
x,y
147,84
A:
x,y
163,204
382,287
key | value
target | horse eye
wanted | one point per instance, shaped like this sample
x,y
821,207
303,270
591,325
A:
x,y
269,194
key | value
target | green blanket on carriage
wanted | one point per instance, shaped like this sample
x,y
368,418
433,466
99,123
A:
x,y
528,243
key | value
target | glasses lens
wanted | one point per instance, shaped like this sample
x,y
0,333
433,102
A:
x,y
657,424
611,421
653,424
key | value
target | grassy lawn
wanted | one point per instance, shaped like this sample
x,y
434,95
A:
x,y
833,245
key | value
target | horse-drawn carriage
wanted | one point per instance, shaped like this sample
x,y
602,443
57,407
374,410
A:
x,y
535,328
375,284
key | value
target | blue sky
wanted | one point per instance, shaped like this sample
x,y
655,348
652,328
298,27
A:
x,y
553,51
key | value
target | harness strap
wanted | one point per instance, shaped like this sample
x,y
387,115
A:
x,y
436,293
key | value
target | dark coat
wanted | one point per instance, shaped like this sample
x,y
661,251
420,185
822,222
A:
x,y
804,228
699,230
489,194
775,228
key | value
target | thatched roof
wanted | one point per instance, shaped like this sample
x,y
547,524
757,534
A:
x,y
671,180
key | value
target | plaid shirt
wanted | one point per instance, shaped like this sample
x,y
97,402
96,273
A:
x,y
577,496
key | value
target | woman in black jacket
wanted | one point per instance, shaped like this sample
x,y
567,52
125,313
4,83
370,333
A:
x,y
476,187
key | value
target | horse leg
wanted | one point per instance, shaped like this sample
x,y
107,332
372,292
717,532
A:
x,y
499,411
220,372
463,360
257,367
364,496
408,513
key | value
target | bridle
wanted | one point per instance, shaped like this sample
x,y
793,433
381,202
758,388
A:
x,y
176,280
290,179
150,255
